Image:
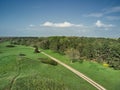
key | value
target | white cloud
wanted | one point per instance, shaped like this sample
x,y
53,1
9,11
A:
x,y
94,15
102,25
99,24
49,24
61,25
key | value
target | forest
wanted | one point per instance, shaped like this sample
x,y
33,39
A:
x,y
102,50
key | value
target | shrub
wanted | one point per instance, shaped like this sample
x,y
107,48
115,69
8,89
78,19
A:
x,y
48,61
21,54
81,61
10,45
36,49
1,52
105,65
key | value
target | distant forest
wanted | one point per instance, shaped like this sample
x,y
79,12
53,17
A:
x,y
101,50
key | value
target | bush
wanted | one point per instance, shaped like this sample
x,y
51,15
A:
x,y
36,49
10,45
81,61
105,65
48,61
74,60
21,54
1,52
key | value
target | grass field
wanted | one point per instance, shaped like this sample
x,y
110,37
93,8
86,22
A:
x,y
27,72
107,77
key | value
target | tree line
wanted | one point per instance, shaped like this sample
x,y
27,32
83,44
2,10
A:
x,y
102,50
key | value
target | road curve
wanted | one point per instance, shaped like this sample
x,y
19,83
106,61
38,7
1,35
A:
x,y
96,85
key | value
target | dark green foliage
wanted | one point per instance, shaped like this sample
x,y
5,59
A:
x,y
48,61
36,49
80,60
10,46
21,54
44,44
1,52
97,49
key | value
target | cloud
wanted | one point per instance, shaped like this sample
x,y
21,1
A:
x,y
99,24
113,17
105,12
94,15
115,9
61,25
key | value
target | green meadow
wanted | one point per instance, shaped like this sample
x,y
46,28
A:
x,y
22,69
105,76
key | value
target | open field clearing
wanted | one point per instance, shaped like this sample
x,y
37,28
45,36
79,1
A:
x,y
21,69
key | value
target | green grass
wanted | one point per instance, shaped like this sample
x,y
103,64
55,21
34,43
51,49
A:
x,y
107,77
29,73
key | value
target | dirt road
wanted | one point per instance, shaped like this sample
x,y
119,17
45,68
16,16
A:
x,y
98,86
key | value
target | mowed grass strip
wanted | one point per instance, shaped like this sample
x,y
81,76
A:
x,y
33,74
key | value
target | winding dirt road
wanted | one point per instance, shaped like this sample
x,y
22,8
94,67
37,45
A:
x,y
96,85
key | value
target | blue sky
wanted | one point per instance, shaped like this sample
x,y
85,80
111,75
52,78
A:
x,y
89,18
